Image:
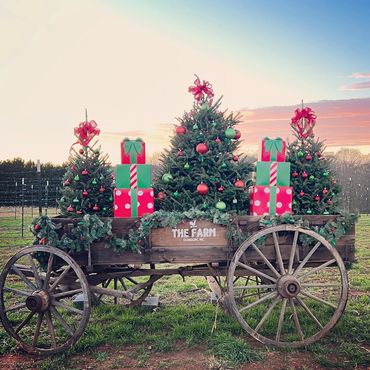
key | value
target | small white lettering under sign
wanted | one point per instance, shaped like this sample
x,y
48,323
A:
x,y
194,233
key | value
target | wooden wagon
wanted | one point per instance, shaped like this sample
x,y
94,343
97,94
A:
x,y
283,291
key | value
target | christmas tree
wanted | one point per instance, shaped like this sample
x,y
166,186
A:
x,y
88,181
314,187
201,168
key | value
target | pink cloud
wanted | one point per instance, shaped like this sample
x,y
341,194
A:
x,y
360,75
356,86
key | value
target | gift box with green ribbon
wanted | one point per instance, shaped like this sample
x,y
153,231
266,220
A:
x,y
133,176
132,151
273,150
132,203
273,173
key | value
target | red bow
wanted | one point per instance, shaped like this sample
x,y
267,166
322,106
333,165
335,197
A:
x,y
199,89
304,121
86,131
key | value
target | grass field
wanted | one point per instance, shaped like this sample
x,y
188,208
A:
x,y
184,321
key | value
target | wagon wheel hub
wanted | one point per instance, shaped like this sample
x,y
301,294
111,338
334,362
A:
x,y
288,286
38,301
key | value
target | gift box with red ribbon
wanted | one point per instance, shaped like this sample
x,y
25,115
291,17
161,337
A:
x,y
132,203
270,200
273,150
132,151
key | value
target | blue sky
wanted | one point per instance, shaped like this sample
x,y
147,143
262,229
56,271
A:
x,y
131,62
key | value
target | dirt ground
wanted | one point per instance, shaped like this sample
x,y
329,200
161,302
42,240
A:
x,y
195,358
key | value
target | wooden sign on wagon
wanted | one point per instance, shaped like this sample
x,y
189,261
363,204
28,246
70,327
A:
x,y
193,233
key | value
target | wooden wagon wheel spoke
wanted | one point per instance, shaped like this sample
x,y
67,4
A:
x,y
307,294
59,317
320,278
24,278
35,272
317,269
24,322
48,271
296,320
37,330
56,287
309,313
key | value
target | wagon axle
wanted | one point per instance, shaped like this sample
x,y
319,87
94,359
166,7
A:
x,y
38,301
288,286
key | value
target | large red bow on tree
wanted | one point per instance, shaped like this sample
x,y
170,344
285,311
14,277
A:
x,y
86,131
199,90
304,121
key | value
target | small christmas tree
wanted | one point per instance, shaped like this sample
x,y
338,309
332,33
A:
x,y
201,168
88,181
314,187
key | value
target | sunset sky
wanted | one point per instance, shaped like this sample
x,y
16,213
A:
x,y
131,62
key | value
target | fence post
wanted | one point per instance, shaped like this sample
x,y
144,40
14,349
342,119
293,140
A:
x,y
46,196
32,200
39,186
22,206
15,200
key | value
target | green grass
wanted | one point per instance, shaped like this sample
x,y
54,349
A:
x,y
185,319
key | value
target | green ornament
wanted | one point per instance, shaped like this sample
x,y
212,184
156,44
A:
x,y
195,127
77,178
94,182
62,200
326,174
223,165
167,178
111,199
176,194
326,213
312,177
204,206
212,178
186,166
204,106
300,154
235,201
230,133
294,202
220,205
76,200
214,124
309,212
102,177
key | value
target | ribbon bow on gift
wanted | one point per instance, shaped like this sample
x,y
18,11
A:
x,y
304,121
199,89
86,131
273,146
133,148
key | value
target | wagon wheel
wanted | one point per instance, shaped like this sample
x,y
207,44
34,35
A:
x,y
140,287
307,287
36,300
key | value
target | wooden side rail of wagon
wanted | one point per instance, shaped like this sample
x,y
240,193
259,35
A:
x,y
282,291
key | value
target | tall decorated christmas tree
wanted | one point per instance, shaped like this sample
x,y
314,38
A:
x,y
88,181
314,187
201,169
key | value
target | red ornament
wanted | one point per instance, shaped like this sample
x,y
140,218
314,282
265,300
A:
x,y
96,207
235,158
301,194
221,188
79,212
329,202
180,130
161,195
238,134
239,184
73,168
295,174
202,189
179,153
325,191
37,227
304,174
70,209
218,140
102,189
317,198
318,154
66,183
334,181
85,193
202,148
81,151
85,172
308,157
43,241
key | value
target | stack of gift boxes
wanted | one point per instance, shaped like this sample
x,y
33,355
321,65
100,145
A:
x,y
272,194
133,196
